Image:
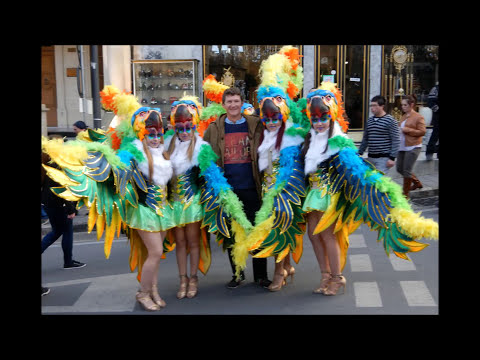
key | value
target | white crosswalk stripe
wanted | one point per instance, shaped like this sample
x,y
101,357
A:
x,y
417,293
367,294
360,262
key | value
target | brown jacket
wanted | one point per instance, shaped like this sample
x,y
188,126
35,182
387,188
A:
x,y
415,128
215,136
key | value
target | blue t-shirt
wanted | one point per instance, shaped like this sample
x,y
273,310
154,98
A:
x,y
237,159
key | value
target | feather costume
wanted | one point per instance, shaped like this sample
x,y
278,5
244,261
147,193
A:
x,y
199,189
279,224
110,175
350,191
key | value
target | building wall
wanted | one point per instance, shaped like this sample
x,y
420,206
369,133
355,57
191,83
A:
x,y
118,71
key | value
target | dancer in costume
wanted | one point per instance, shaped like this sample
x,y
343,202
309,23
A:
x,y
184,148
122,177
279,224
345,191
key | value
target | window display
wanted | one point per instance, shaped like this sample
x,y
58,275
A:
x,y
158,83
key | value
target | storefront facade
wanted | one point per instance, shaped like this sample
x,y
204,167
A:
x,y
159,74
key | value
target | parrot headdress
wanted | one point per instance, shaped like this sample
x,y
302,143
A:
x,y
326,102
186,110
281,79
213,90
247,109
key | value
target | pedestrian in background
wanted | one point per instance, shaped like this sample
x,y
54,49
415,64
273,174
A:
x,y
79,126
413,128
60,214
381,136
432,103
235,139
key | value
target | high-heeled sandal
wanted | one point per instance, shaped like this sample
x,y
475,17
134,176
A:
x,y
326,277
156,297
146,301
337,282
192,286
274,286
291,273
182,292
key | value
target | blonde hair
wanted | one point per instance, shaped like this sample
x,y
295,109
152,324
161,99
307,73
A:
x,y
171,147
146,149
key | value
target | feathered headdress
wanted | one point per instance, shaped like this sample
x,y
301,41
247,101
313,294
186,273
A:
x,y
193,107
281,78
331,97
213,90
131,115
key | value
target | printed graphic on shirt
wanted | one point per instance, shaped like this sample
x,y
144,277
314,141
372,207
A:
x,y
237,148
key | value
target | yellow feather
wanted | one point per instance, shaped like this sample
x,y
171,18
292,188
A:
x,y
67,194
65,155
329,216
297,254
100,225
343,243
415,225
92,215
402,255
59,176
266,252
282,254
109,234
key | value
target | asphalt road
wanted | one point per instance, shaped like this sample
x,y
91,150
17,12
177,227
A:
x,y
376,284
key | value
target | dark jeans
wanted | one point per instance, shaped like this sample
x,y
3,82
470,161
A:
x,y
251,204
432,146
61,225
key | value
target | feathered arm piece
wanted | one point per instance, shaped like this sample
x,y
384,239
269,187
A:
x,y
279,224
360,193
220,202
93,175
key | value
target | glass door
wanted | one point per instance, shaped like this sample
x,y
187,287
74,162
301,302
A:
x,y
348,67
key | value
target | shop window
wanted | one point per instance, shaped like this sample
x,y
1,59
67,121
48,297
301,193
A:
x,y
238,65
408,69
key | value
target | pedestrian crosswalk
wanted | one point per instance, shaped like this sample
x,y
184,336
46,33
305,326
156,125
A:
x,y
367,293
375,284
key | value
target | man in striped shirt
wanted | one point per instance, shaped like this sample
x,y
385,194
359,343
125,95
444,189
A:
x,y
381,136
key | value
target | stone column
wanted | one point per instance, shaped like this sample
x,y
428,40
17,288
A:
x,y
44,120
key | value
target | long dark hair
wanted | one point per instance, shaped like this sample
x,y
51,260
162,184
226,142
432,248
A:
x,y
308,137
278,142
330,132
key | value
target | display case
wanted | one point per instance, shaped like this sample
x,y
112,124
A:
x,y
158,83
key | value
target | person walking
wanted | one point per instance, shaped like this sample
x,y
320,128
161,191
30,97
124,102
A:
x,y
432,103
413,128
235,138
381,136
60,214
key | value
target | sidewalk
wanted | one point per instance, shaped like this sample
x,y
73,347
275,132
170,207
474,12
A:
x,y
426,171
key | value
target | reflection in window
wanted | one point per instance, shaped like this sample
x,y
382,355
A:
x,y
241,63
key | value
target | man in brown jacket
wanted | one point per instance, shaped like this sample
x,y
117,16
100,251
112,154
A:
x,y
235,139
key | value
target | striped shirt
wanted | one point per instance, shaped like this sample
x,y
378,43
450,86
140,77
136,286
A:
x,y
381,136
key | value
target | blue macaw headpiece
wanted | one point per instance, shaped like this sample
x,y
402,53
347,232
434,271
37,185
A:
x,y
144,109
271,91
322,93
246,106
178,102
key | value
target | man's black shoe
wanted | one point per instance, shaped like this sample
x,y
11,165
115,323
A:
x,y
74,265
45,291
263,282
234,283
